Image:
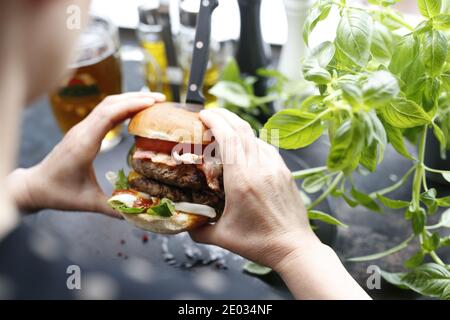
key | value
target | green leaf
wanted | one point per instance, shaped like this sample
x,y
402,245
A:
x,y
404,53
444,242
318,12
315,183
121,207
442,22
415,260
352,203
324,217
369,157
430,279
395,138
429,8
418,220
165,208
431,243
393,204
232,92
122,181
380,88
231,72
446,176
382,41
394,278
318,75
365,200
429,199
440,136
346,146
405,114
435,51
383,254
293,128
353,36
256,269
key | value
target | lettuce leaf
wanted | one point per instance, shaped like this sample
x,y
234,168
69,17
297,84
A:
x,y
122,181
120,206
165,209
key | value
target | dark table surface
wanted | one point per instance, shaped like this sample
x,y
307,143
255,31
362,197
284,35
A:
x,y
119,261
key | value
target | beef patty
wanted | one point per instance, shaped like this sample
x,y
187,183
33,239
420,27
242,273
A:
x,y
184,176
177,194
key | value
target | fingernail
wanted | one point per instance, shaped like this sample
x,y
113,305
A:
x,y
159,96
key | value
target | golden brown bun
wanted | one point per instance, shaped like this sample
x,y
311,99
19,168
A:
x,y
177,223
167,121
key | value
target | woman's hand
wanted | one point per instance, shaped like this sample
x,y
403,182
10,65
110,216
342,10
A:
x,y
264,218
65,179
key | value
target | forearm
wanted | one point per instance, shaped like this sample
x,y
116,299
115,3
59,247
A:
x,y
318,273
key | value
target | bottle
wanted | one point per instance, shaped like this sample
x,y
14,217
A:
x,y
294,50
151,40
252,52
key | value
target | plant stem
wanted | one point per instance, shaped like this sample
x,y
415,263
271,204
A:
x,y
435,170
394,186
420,171
330,189
436,258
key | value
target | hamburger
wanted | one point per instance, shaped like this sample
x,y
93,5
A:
x,y
175,183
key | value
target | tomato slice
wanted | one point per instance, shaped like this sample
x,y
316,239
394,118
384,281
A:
x,y
166,147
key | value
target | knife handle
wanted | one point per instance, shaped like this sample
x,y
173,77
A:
x,y
200,56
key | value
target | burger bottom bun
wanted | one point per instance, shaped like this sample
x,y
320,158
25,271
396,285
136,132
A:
x,y
177,223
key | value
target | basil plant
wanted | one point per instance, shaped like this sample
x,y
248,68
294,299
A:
x,y
381,81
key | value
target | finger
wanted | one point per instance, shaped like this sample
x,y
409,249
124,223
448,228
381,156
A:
x,y
230,145
206,234
103,207
158,97
105,117
243,129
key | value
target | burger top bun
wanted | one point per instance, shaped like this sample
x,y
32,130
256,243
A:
x,y
167,121
177,223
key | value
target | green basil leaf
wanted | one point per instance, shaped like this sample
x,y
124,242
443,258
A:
x,y
395,138
429,199
119,206
444,242
232,92
353,36
380,88
430,279
318,75
346,146
429,8
383,254
393,204
321,216
446,176
122,181
165,209
320,56
369,157
415,261
405,114
418,220
394,278
441,137
431,243
293,128
352,203
382,42
443,202
435,50
365,200
404,53
442,22
256,269
231,72
318,12
444,222
315,183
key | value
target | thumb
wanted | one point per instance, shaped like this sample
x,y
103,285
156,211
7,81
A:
x,y
103,207
207,234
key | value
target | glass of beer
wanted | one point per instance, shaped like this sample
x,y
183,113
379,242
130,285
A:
x,y
94,74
